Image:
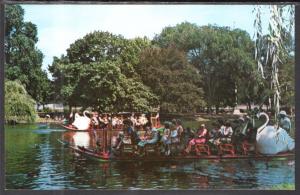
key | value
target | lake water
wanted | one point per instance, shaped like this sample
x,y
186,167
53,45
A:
x,y
36,160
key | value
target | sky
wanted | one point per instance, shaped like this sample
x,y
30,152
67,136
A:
x,y
60,25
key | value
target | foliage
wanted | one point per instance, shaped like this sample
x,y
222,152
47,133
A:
x,y
103,46
222,56
23,60
170,76
19,106
287,83
185,68
99,71
181,36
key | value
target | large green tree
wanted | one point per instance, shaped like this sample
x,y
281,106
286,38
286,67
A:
x,y
99,71
223,57
170,76
19,106
23,60
104,46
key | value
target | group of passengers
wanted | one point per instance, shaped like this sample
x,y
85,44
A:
x,y
173,133
117,121
100,121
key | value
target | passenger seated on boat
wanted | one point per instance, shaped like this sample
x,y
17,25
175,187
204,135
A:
x,y
186,136
151,138
226,133
133,119
119,123
146,135
119,140
130,136
200,138
106,119
103,121
142,120
129,129
139,126
214,134
174,134
166,139
154,120
179,128
95,121
114,121
284,121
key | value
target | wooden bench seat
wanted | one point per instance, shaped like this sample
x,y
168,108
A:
x,y
202,148
226,148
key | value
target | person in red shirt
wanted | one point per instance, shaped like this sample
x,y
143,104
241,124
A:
x,y
199,139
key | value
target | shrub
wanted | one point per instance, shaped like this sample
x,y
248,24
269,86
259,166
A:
x,y
19,106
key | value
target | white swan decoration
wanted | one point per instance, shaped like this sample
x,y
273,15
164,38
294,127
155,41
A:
x,y
82,122
272,140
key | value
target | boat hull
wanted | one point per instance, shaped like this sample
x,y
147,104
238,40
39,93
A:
x,y
157,158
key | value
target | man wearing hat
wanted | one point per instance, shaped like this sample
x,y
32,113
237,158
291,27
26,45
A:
x,y
284,121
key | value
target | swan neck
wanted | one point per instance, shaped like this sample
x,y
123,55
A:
x,y
84,114
265,124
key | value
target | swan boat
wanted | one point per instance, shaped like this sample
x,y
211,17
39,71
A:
x,y
267,138
81,123
154,157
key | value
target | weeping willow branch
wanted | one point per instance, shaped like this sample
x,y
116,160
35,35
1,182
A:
x,y
270,48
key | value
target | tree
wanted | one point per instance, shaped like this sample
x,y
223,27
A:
x,y
271,49
58,78
99,71
23,60
19,106
104,46
181,36
287,83
169,75
222,56
105,88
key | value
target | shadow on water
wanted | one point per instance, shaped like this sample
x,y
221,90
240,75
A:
x,y
36,160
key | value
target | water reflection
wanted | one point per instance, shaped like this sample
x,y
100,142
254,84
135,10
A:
x,y
89,139
35,160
